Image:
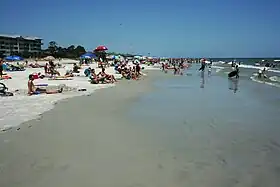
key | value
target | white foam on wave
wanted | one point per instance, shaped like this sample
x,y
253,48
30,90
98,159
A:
x,y
256,67
217,63
255,79
20,108
218,68
275,78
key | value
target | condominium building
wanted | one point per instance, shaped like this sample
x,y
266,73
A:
x,y
11,44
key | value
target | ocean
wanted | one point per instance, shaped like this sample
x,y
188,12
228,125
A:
x,y
248,61
219,132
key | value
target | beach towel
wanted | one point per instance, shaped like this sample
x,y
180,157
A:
x,y
60,79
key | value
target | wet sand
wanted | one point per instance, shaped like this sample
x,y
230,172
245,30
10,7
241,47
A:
x,y
84,141
101,141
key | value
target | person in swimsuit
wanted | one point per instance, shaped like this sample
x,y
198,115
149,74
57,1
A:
x,y
95,79
1,68
32,90
76,68
237,71
138,69
46,68
107,76
162,66
202,65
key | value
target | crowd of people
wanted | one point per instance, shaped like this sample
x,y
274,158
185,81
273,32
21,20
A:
x,y
52,71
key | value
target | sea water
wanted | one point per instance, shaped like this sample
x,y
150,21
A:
x,y
218,131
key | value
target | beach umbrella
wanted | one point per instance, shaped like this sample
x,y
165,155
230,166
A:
x,y
13,58
101,48
49,58
88,55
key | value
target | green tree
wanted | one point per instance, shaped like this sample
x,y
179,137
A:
x,y
53,47
79,50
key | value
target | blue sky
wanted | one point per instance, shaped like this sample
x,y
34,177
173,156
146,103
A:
x,y
189,28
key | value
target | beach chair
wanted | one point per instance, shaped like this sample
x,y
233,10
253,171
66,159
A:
x,y
3,90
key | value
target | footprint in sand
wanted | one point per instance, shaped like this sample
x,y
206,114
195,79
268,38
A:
x,y
42,164
136,185
64,167
159,166
275,144
181,177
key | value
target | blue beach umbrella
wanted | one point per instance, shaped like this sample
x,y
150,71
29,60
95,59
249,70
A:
x,y
88,55
13,58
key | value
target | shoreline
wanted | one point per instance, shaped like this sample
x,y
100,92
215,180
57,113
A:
x,y
123,136
68,140
15,110
71,95
52,104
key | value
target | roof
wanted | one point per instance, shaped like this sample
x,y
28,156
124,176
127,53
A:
x,y
18,36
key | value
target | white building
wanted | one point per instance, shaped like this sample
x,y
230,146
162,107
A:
x,y
10,44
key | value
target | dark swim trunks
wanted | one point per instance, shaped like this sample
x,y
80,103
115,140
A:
x,y
36,93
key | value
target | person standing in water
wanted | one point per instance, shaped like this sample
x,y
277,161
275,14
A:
x,y
237,71
203,64
210,69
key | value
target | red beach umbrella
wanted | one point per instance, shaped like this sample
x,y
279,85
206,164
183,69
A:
x,y
101,48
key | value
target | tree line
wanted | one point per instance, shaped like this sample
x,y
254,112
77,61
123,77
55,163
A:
x,y
57,51
53,50
60,52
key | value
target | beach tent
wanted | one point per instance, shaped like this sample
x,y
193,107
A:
x,y
49,58
137,57
110,57
13,58
88,55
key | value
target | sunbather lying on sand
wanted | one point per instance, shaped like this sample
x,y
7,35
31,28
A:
x,y
69,73
32,90
35,65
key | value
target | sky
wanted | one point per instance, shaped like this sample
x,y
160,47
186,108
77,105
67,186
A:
x,y
178,28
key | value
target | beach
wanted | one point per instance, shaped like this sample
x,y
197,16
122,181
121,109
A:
x,y
164,130
64,146
21,107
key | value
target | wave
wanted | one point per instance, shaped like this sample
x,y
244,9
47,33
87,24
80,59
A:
x,y
274,78
265,81
252,67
